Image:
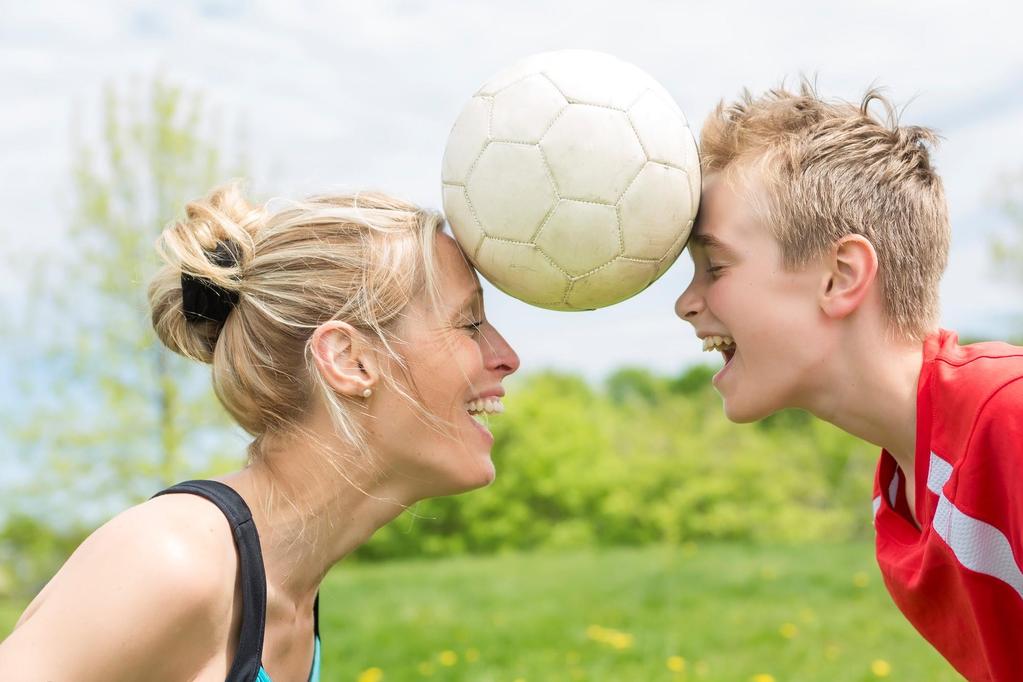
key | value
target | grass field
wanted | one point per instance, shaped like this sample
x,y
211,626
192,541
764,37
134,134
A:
x,y
724,612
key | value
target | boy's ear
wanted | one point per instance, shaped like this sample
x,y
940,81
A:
x,y
344,359
850,272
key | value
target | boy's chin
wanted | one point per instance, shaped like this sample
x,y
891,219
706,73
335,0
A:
x,y
738,413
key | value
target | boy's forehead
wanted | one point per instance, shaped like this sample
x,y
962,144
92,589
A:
x,y
726,214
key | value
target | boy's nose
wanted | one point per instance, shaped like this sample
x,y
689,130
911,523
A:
x,y
689,304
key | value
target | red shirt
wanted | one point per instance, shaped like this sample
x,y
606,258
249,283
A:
x,y
958,578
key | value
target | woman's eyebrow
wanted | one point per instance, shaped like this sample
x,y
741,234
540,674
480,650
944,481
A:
x,y
475,298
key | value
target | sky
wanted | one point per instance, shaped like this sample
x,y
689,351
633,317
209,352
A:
x,y
346,95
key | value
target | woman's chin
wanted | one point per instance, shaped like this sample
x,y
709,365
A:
x,y
481,474
476,474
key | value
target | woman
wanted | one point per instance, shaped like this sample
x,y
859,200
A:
x,y
347,336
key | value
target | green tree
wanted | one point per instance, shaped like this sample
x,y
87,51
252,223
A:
x,y
112,414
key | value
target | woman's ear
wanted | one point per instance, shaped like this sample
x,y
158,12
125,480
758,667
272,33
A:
x,y
344,359
850,273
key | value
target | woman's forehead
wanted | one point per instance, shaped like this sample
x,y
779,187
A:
x,y
457,284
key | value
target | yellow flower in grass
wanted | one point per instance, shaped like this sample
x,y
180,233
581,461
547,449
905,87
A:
x,y
447,658
613,638
881,668
676,664
762,677
620,640
788,630
861,579
371,675
832,651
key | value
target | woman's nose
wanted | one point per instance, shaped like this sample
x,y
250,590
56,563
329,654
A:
x,y
501,356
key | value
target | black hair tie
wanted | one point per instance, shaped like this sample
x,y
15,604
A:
x,y
202,300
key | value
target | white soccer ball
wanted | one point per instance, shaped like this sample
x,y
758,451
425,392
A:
x,y
571,180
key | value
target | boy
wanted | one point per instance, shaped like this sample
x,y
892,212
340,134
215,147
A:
x,y
818,252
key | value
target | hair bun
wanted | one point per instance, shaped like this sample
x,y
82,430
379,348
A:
x,y
205,255
203,299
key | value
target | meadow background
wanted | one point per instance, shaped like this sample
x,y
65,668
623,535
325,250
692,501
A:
x,y
632,533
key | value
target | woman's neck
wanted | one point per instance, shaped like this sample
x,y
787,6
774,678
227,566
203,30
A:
x,y
312,506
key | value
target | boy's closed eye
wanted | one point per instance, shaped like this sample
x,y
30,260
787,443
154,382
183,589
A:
x,y
715,271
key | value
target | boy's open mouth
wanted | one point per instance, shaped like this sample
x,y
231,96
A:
x,y
725,344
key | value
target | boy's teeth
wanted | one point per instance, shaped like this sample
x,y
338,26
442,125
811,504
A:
x,y
718,342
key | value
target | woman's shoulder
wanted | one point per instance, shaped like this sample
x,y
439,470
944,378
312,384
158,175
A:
x,y
178,546
156,580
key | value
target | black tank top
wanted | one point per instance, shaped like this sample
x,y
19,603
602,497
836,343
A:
x,y
247,660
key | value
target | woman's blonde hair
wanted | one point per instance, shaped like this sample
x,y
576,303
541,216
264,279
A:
x,y
833,168
358,258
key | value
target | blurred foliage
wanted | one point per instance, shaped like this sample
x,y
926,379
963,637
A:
x,y
644,459
108,414
641,459
31,551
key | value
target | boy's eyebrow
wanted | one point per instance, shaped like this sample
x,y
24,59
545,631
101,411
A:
x,y
709,241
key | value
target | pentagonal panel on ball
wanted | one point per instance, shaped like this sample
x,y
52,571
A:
x,y
663,131
596,78
520,270
511,191
669,258
515,72
580,236
655,210
525,110
464,225
467,138
620,280
694,173
593,153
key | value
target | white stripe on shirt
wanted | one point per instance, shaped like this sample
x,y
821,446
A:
x,y
977,545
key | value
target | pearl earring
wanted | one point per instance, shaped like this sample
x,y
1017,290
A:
x,y
367,393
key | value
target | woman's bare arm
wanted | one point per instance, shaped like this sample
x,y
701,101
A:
x,y
144,597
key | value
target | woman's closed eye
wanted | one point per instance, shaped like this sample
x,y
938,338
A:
x,y
473,326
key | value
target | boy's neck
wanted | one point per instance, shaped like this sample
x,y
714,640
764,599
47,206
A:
x,y
871,393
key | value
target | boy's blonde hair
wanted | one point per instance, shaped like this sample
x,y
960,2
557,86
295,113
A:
x,y
357,258
831,169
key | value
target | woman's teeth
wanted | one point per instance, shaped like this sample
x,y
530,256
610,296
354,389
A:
x,y
484,406
719,343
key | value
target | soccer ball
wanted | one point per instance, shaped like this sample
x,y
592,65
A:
x,y
571,180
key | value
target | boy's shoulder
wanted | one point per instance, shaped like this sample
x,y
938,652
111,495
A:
x,y
971,388
973,372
